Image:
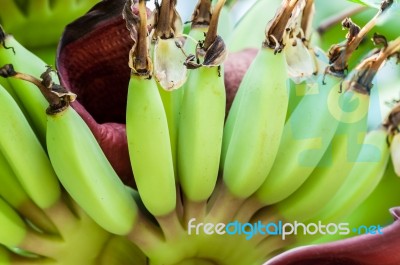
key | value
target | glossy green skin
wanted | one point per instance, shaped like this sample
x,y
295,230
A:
x,y
14,228
306,136
149,146
200,133
86,174
254,127
25,155
336,163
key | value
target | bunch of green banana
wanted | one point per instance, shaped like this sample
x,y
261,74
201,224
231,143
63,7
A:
x,y
255,123
39,224
279,156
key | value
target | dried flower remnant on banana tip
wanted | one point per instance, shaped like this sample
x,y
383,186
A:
x,y
299,57
339,54
167,30
201,16
58,97
212,51
139,61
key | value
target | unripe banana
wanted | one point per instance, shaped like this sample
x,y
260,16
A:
x,y
306,136
33,168
362,179
13,229
336,162
200,132
28,95
13,193
258,125
86,174
374,210
149,146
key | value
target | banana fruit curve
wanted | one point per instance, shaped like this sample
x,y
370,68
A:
x,y
258,124
374,210
203,109
13,230
86,174
302,147
33,170
336,162
30,98
200,132
13,193
362,180
149,146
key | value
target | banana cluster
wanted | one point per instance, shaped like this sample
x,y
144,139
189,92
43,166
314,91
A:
x,y
294,147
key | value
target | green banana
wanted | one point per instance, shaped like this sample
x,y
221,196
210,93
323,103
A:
x,y
13,230
351,110
335,164
33,169
149,146
76,156
362,179
86,174
200,133
13,193
258,124
31,100
302,146
149,141
202,120
374,210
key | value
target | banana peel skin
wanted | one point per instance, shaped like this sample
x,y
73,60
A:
x,y
106,79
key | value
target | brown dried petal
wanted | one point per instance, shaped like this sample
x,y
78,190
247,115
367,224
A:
x,y
216,53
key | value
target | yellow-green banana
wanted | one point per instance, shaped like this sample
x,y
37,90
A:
x,y
149,146
13,229
374,210
33,168
258,124
362,179
305,138
200,132
13,193
86,173
202,119
28,95
336,162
